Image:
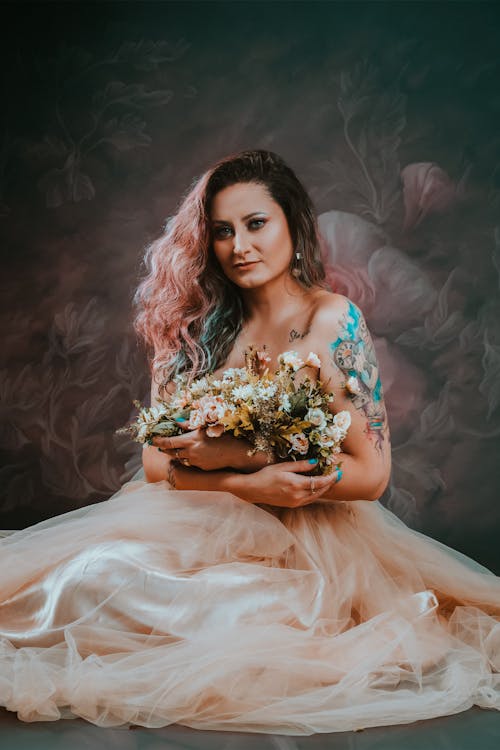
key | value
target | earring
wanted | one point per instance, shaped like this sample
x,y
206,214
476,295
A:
x,y
297,271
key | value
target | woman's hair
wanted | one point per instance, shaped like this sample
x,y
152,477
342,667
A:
x,y
187,308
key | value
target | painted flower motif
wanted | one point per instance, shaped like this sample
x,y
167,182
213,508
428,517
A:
x,y
317,418
313,360
291,359
342,420
299,443
352,385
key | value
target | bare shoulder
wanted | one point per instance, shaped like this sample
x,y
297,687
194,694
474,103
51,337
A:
x,y
333,310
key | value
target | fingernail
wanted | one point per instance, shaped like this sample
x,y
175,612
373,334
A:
x,y
159,449
313,460
180,419
150,441
339,472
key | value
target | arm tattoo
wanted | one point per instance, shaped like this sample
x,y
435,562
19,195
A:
x,y
353,353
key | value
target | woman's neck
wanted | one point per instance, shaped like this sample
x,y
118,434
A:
x,y
273,302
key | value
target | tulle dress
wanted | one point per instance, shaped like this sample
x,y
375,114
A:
x,y
161,606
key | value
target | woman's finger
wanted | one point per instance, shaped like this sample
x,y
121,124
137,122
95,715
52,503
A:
x,y
322,481
297,466
171,443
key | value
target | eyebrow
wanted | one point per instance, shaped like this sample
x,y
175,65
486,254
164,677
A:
x,y
247,216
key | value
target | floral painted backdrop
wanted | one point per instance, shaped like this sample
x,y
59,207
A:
x,y
389,114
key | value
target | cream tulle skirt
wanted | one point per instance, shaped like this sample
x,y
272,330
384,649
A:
x,y
160,606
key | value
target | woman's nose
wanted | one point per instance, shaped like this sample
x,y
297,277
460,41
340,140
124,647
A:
x,y
241,243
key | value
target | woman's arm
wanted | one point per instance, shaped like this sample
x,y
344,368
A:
x,y
349,369
282,484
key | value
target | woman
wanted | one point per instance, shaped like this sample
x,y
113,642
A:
x,y
229,592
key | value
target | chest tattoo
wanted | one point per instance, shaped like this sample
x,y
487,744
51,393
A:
x,y
294,335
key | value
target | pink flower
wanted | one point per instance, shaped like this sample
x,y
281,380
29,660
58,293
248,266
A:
x,y
263,357
215,430
427,189
212,408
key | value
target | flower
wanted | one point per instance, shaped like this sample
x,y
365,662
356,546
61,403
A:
x,y
299,443
325,441
263,357
196,419
335,433
199,387
235,373
266,391
342,420
313,360
285,404
291,359
212,408
243,392
317,418
215,430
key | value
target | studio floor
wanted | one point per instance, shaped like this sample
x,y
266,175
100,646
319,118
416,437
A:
x,y
475,729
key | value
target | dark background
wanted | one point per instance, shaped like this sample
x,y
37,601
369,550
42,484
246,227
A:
x,y
389,114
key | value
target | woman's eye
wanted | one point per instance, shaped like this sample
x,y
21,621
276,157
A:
x,y
256,221
223,232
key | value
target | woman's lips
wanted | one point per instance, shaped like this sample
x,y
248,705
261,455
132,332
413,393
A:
x,y
242,266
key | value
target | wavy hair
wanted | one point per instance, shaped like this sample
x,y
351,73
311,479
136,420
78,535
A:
x,y
186,307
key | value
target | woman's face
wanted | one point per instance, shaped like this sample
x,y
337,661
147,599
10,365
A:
x,y
250,235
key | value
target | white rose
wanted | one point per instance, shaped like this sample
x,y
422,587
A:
x,y
316,417
325,441
342,420
335,433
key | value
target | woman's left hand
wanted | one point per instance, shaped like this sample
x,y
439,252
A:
x,y
196,448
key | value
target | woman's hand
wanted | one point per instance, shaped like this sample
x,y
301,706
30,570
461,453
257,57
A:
x,y
284,485
195,448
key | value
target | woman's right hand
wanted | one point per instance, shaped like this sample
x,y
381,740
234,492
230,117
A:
x,y
283,484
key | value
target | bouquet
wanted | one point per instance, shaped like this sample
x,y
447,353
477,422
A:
x,y
289,420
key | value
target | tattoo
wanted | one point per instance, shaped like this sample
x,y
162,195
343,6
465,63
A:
x,y
294,335
170,475
353,353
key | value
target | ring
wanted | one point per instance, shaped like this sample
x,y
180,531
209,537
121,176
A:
x,y
185,461
311,483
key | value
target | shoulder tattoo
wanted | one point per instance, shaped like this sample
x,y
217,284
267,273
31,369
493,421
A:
x,y
353,353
